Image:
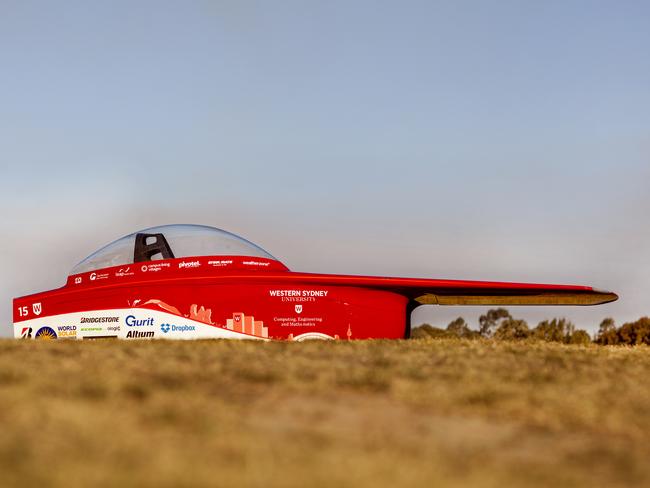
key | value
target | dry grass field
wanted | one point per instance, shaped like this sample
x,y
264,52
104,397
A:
x,y
363,414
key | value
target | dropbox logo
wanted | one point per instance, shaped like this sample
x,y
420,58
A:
x,y
177,328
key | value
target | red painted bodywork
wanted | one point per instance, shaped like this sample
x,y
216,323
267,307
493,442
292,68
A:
x,y
211,290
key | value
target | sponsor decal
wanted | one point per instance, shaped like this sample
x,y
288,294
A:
x,y
223,262
91,329
98,276
153,267
78,280
124,272
26,333
101,337
37,308
99,320
299,293
298,321
298,308
257,263
177,328
46,333
100,324
189,264
131,321
139,334
110,328
67,331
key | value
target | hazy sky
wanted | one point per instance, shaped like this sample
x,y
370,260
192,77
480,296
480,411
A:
x,y
501,140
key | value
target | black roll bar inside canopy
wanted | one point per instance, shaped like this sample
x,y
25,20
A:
x,y
157,245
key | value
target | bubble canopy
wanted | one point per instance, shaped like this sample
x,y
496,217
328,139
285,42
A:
x,y
170,241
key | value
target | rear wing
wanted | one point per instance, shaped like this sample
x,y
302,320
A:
x,y
457,292
518,297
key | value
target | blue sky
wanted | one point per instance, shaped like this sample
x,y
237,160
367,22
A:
x,y
503,140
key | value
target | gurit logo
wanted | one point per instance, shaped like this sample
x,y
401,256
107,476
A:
x,y
131,321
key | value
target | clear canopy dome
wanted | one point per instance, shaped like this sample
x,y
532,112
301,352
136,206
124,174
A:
x,y
169,241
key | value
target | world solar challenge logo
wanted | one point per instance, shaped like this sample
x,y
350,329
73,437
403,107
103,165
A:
x,y
46,333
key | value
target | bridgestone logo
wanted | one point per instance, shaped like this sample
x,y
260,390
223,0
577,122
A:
x,y
99,320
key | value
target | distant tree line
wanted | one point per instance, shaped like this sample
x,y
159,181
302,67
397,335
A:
x,y
499,324
630,333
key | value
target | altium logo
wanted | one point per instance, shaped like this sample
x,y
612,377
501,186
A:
x,y
137,334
